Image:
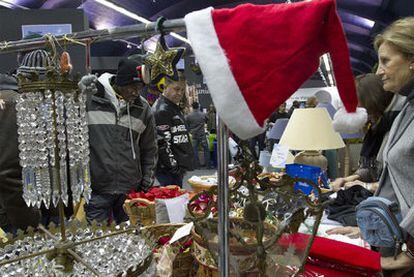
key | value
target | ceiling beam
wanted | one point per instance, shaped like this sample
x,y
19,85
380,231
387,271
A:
x,y
376,14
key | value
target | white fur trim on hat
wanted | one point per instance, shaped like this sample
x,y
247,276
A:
x,y
227,97
350,123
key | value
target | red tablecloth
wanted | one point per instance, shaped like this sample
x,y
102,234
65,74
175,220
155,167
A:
x,y
334,258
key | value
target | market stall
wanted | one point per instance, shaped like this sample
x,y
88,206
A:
x,y
247,224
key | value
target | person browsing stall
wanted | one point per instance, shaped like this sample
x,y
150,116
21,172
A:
x,y
395,48
196,122
175,156
122,138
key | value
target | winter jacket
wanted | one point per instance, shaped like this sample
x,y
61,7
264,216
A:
x,y
397,179
122,138
195,122
13,210
175,152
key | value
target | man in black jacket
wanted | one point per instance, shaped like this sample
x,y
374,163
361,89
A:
x,y
122,138
14,213
175,153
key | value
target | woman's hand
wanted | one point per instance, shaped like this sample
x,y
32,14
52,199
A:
x,y
349,231
338,184
402,264
372,187
355,183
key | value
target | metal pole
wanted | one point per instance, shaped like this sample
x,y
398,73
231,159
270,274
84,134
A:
x,y
223,197
176,25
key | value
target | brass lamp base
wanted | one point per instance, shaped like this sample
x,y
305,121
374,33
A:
x,y
312,157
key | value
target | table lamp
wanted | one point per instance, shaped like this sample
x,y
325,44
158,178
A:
x,y
310,131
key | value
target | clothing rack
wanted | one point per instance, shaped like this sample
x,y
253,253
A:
x,y
137,30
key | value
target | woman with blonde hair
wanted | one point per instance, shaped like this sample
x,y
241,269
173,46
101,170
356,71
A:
x,y
395,47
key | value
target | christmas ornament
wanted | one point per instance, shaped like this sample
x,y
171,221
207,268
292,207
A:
x,y
247,51
162,63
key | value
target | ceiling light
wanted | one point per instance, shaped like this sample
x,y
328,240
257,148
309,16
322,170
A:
x,y
135,16
5,4
331,81
10,4
326,62
180,37
123,11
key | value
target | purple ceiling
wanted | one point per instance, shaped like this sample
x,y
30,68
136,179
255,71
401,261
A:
x,y
362,19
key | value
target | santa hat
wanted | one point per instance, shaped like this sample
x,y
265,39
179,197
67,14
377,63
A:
x,y
350,123
255,57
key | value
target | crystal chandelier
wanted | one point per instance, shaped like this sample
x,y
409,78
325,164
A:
x,y
51,118
53,143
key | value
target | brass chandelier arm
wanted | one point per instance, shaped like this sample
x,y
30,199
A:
x,y
46,231
104,236
71,252
310,242
79,259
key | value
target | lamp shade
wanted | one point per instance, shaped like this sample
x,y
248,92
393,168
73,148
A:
x,y
278,128
311,129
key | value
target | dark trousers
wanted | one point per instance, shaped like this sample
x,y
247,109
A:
x,y
197,142
167,178
260,140
106,207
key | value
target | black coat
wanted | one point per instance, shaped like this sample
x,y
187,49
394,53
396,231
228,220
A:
x,y
175,152
112,150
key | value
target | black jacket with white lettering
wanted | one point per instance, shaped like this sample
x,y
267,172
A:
x,y
175,152
123,146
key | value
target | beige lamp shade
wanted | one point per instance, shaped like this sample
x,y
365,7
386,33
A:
x,y
311,129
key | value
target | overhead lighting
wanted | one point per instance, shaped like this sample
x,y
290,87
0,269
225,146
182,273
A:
x,y
135,16
331,80
180,37
123,11
326,62
7,5
10,4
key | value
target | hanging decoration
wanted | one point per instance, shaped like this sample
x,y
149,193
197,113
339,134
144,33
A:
x,y
162,63
53,132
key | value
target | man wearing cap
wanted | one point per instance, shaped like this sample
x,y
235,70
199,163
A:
x,y
122,138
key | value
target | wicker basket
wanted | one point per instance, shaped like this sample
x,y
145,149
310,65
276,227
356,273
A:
x,y
207,267
183,262
144,214
198,186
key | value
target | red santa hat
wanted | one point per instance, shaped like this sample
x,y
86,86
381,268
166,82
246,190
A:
x,y
254,57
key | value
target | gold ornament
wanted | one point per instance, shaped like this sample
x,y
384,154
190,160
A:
x,y
162,63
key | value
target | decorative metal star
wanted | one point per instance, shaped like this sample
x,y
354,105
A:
x,y
163,62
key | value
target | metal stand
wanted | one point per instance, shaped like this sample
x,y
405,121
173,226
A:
x,y
223,198
136,30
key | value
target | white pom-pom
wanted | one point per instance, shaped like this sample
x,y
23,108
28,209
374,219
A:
x,y
350,123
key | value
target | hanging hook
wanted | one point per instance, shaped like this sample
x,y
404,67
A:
x,y
159,25
160,28
50,41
